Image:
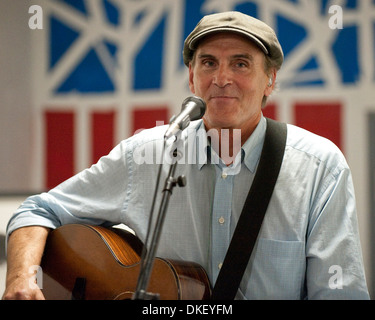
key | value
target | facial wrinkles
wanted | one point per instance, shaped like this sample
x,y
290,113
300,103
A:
x,y
229,91
226,74
221,86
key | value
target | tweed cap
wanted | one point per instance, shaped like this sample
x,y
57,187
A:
x,y
257,31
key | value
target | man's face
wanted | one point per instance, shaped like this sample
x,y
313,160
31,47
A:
x,y
228,74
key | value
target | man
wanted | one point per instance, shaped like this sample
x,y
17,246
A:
x,y
310,225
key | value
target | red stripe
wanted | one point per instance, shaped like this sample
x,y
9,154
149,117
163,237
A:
x,y
321,118
60,147
147,118
102,123
269,111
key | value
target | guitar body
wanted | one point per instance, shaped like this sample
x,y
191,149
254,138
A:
x,y
97,263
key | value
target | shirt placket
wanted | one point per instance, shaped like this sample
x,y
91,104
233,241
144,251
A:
x,y
222,207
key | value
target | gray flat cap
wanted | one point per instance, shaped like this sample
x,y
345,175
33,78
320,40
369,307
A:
x,y
256,30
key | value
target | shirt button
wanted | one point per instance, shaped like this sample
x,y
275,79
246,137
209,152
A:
x,y
221,220
219,265
224,175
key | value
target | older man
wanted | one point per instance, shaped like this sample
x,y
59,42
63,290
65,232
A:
x,y
310,225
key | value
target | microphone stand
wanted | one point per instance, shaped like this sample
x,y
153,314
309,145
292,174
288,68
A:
x,y
149,256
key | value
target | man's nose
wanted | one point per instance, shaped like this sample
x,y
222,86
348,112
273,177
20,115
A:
x,y
222,76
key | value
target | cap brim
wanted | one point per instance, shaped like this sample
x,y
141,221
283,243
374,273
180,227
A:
x,y
199,36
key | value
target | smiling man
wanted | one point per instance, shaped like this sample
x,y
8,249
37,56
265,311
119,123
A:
x,y
228,73
310,224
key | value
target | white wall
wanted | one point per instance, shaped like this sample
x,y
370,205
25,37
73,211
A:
x,y
15,96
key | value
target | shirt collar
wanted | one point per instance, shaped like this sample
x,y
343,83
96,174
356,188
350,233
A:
x,y
252,148
250,151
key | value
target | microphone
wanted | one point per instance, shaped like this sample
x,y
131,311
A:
x,y
193,108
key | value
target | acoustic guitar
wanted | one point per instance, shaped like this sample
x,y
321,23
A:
x,y
85,262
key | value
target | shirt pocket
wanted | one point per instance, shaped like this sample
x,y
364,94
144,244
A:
x,y
276,270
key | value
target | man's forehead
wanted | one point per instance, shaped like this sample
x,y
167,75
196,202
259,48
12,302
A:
x,y
235,44
246,56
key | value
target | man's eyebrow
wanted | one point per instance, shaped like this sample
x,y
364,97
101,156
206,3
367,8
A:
x,y
243,56
236,56
205,55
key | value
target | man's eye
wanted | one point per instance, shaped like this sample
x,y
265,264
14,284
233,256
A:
x,y
208,63
241,65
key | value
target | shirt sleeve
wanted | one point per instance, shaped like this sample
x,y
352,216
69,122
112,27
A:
x,y
94,196
333,251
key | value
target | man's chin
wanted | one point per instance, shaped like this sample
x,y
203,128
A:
x,y
222,122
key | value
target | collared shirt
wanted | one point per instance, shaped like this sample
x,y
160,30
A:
x,y
308,246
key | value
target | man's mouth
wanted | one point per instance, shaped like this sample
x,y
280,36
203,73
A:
x,y
221,97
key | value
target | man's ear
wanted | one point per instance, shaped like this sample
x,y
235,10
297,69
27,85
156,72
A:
x,y
191,79
271,83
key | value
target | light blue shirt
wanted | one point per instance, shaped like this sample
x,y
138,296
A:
x,y
308,247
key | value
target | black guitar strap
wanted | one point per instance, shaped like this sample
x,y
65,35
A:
x,y
248,226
